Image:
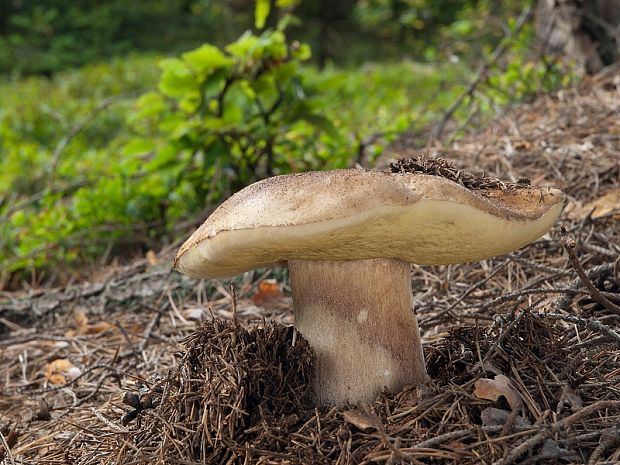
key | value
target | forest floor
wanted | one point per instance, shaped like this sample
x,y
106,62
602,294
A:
x,y
523,350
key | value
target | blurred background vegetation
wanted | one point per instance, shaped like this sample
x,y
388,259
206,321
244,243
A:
x,y
122,124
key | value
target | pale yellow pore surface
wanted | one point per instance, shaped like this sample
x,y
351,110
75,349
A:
x,y
357,214
428,232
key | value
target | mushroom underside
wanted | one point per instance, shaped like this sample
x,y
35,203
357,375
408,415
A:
x,y
430,232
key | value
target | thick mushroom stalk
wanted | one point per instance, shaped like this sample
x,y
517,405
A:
x,y
358,317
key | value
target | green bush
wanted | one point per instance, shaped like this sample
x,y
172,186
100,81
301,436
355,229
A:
x,y
40,181
144,163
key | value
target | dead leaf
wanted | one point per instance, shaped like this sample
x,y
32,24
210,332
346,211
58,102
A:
x,y
359,420
492,389
521,145
81,320
268,289
608,203
100,327
456,445
492,416
58,370
84,327
151,258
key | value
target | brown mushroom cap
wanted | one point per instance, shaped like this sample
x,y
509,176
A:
x,y
357,214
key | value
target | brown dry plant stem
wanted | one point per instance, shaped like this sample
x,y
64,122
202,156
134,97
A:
x,y
570,245
6,443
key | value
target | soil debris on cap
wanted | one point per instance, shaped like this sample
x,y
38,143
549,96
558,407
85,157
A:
x,y
447,169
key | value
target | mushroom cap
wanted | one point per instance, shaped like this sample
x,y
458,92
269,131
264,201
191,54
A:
x,y
359,214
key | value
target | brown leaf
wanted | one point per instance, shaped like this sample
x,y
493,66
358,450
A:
x,y
57,371
608,203
492,416
97,328
81,320
492,389
84,327
521,145
268,289
456,445
359,420
151,258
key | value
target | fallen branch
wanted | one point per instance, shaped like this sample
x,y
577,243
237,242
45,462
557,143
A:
x,y
591,323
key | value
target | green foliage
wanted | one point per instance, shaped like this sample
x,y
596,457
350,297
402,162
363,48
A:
x,y
50,35
143,164
523,75
46,36
224,118
376,103
43,221
396,17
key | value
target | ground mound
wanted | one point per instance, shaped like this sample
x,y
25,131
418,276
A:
x,y
241,396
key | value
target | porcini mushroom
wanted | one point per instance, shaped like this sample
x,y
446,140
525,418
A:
x,y
348,238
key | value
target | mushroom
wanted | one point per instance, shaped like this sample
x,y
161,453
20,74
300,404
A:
x,y
348,238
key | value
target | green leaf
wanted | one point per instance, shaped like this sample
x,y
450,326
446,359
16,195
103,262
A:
x,y
138,146
322,123
214,83
166,156
287,20
149,104
207,58
176,80
243,46
287,3
303,52
275,45
232,115
217,150
262,11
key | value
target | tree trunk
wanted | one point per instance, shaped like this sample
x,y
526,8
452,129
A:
x,y
584,31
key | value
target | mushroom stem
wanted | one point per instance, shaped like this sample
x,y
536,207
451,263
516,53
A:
x,y
358,317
